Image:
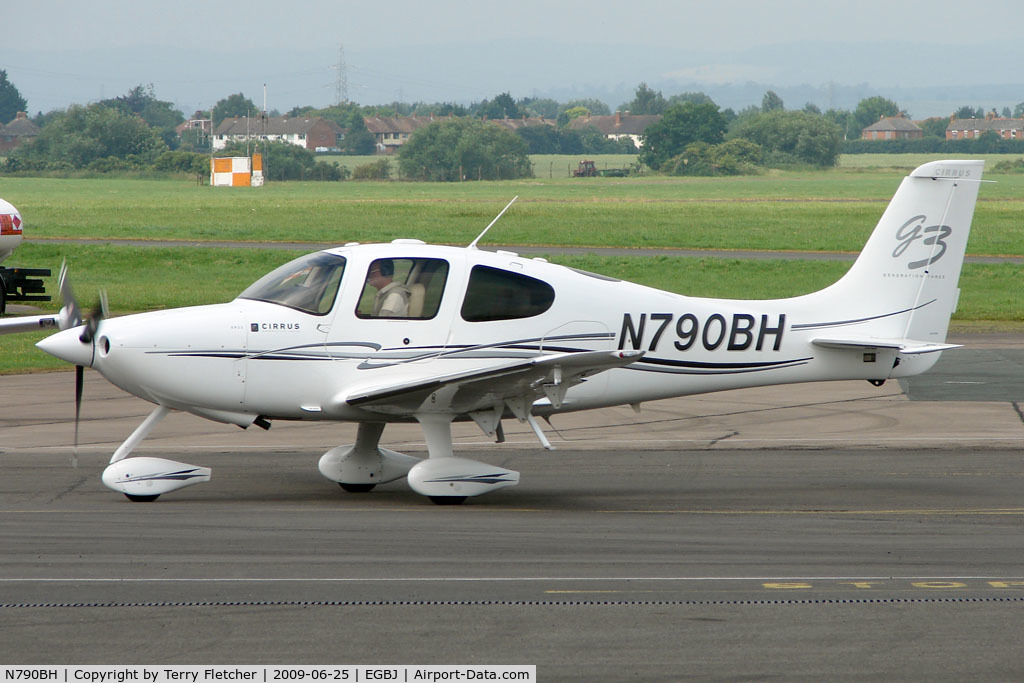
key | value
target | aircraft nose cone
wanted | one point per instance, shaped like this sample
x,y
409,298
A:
x,y
67,346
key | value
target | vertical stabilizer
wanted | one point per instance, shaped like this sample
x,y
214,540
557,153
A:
x,y
904,285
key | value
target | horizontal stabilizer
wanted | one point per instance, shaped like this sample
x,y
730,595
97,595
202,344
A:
x,y
904,346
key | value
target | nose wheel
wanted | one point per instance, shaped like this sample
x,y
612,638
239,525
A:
x,y
356,488
448,500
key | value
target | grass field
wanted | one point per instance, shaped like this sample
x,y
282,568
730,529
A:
x,y
829,211
804,211
909,162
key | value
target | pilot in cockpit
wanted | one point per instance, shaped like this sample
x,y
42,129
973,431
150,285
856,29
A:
x,y
392,300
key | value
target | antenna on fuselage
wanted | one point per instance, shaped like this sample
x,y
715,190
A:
x,y
473,243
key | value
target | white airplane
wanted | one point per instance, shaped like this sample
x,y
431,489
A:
x,y
482,336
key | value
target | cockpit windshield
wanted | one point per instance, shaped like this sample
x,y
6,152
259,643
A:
x,y
308,283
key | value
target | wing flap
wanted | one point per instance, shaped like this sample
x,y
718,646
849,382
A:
x,y
486,386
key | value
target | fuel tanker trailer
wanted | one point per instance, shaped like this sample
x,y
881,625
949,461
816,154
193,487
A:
x,y
17,284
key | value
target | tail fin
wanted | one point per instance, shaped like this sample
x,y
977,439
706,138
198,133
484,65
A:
x,y
904,285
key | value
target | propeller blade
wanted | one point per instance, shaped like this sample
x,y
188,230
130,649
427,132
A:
x,y
71,313
79,386
92,321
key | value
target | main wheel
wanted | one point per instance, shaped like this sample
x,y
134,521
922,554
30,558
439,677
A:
x,y
3,298
356,488
141,499
448,500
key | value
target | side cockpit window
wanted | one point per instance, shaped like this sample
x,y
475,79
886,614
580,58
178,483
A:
x,y
409,288
496,294
309,284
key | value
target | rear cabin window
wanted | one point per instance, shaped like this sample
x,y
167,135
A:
x,y
495,294
408,288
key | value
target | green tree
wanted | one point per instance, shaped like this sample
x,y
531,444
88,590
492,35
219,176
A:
x,y
468,149
11,101
307,110
1018,111
502,106
646,101
552,140
182,161
682,125
734,157
594,106
843,119
233,105
566,117
794,137
358,140
543,106
968,112
934,127
771,102
869,111
694,97
159,114
543,139
83,136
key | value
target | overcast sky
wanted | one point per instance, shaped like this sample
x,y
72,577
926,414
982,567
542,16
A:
x,y
63,51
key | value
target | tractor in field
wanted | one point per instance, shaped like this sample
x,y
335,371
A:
x,y
586,169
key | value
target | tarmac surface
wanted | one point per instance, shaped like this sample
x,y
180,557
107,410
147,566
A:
x,y
819,532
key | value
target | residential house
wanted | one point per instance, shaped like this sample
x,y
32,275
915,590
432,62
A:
x,y
198,126
892,128
391,132
310,133
17,132
621,125
967,129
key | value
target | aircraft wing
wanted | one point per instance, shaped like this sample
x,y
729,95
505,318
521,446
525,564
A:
x,y
69,316
904,346
518,382
29,323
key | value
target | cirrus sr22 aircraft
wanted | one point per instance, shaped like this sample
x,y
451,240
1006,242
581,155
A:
x,y
484,336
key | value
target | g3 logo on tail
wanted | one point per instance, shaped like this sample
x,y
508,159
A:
x,y
933,236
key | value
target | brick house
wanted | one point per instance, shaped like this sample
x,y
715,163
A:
x,y
618,126
198,125
303,132
967,129
892,128
17,132
391,132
